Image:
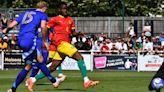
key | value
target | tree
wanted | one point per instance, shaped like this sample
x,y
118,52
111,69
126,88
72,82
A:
x,y
114,7
99,7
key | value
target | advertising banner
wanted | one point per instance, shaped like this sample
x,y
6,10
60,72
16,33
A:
x,y
149,62
118,62
1,61
71,64
13,60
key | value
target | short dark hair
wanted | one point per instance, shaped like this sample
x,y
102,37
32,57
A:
x,y
131,23
62,3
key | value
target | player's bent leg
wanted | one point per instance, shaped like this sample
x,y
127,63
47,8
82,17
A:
x,y
69,50
87,82
57,60
54,65
60,74
41,75
52,68
21,76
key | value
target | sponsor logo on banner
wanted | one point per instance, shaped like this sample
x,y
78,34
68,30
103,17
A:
x,y
100,62
149,62
71,64
13,60
115,62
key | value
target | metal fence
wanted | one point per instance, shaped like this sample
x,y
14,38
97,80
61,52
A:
x,y
113,26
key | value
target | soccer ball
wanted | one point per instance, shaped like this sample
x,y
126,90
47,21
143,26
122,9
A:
x,y
157,83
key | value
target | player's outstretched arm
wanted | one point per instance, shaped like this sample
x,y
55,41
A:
x,y
9,27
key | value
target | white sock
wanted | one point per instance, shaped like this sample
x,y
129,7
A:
x,y
57,79
86,79
33,79
60,74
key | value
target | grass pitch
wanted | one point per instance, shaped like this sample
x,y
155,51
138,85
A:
x,y
110,81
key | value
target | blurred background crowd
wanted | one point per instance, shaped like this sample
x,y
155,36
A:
x,y
130,43
9,41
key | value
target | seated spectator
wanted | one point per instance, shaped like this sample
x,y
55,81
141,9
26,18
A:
x,y
109,43
114,49
156,45
119,43
3,44
161,39
148,45
96,47
104,48
137,46
87,44
13,42
162,51
79,43
124,48
130,46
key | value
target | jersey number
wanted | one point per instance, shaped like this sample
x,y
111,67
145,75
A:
x,y
28,17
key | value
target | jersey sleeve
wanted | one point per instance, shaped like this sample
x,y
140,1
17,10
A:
x,y
72,24
51,22
19,19
44,17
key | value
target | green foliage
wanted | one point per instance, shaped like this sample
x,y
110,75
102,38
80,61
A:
x,y
96,7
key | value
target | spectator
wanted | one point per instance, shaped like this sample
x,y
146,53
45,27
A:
x,y
148,45
87,44
109,43
161,39
147,27
130,31
156,45
114,49
119,44
124,48
130,46
13,42
74,40
137,46
3,20
79,43
104,48
96,47
3,45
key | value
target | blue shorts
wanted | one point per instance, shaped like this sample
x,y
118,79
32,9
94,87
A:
x,y
27,43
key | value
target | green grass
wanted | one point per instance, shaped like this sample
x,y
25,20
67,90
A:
x,y
110,81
